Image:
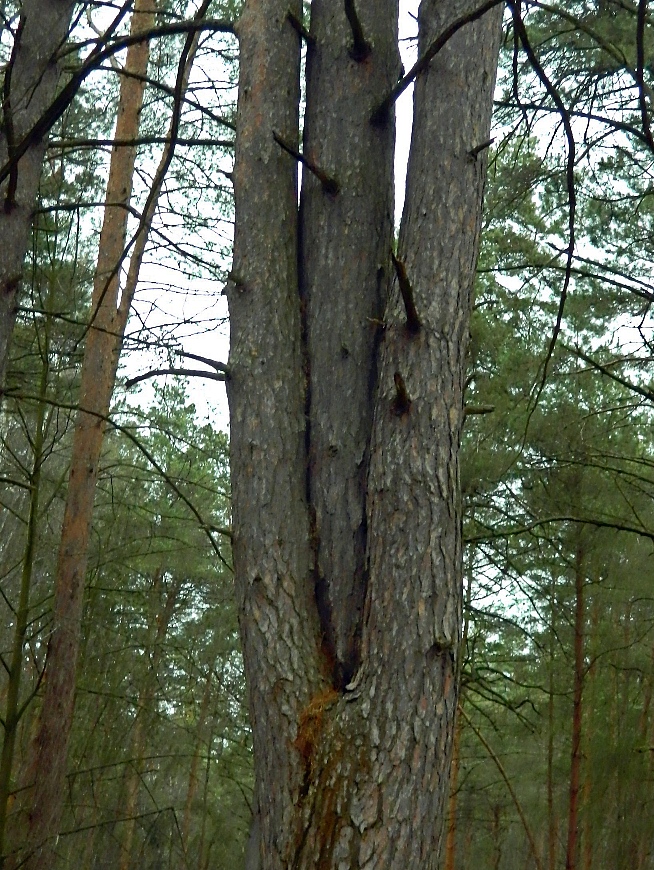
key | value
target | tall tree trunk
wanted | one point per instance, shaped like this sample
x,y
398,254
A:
x,y
345,241
552,816
589,716
351,773
30,82
450,839
646,732
576,755
193,778
97,382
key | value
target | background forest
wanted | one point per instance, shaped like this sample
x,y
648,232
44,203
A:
x,y
554,749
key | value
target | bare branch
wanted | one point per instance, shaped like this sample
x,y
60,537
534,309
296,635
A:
x,y
642,391
184,373
100,54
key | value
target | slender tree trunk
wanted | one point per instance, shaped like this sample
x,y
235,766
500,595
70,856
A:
x,y
496,836
645,846
576,756
450,840
29,86
13,709
193,778
97,382
351,773
552,817
203,850
589,716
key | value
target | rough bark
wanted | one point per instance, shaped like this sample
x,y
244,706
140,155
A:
x,y
266,391
30,84
345,239
97,382
355,775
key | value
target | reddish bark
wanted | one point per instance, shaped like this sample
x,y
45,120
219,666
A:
x,y
97,383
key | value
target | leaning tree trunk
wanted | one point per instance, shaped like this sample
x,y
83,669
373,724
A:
x,y
30,81
97,382
345,389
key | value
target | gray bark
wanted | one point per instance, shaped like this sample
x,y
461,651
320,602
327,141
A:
x,y
34,73
344,261
352,775
266,391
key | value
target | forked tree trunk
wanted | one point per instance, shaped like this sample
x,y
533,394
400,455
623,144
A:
x,y
97,383
346,407
30,84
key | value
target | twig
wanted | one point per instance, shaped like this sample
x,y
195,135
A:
x,y
476,151
63,99
477,409
642,391
184,373
552,92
